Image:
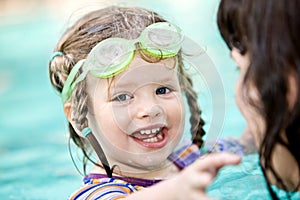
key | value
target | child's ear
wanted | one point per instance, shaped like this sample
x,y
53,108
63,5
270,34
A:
x,y
68,113
67,110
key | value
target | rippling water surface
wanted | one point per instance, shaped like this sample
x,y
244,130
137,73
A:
x,y
34,156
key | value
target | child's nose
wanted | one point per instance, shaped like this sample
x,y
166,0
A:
x,y
150,111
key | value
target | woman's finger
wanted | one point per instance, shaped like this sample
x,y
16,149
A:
x,y
214,161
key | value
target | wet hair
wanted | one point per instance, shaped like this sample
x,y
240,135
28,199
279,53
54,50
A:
x,y
77,42
268,31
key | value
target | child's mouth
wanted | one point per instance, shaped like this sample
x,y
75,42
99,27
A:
x,y
151,138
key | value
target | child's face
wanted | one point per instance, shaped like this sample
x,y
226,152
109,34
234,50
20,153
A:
x,y
138,117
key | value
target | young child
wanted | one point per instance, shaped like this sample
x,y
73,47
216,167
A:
x,y
263,37
121,78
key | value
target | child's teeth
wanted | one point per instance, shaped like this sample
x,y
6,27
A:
x,y
159,136
151,140
154,139
155,130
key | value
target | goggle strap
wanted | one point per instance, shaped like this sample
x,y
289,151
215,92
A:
x,y
68,86
87,132
79,79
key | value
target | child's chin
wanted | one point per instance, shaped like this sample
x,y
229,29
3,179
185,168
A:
x,y
152,162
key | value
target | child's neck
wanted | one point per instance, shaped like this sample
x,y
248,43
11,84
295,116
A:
x,y
163,172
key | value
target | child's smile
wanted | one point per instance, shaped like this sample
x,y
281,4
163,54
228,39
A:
x,y
152,137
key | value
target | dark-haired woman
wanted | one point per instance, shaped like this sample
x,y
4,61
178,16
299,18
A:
x,y
263,37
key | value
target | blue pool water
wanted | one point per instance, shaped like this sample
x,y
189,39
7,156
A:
x,y
34,156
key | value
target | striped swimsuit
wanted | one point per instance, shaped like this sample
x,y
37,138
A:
x,y
98,186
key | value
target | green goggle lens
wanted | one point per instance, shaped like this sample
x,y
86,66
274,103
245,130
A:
x,y
111,56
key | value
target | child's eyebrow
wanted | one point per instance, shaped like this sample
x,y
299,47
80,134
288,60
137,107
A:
x,y
157,81
133,85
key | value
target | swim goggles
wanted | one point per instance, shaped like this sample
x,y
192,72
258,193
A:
x,y
111,56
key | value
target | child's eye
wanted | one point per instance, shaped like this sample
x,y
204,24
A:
x,y
122,97
162,90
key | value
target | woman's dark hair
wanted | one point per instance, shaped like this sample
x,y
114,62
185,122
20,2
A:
x,y
268,31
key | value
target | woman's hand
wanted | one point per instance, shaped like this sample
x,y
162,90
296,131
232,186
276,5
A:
x,y
193,180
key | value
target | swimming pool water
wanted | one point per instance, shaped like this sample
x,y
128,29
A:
x,y
34,157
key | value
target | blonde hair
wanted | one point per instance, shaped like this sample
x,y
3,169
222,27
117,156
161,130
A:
x,y
77,42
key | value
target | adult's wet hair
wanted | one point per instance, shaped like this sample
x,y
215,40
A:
x,y
82,36
268,31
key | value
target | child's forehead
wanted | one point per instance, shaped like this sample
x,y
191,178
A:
x,y
139,73
146,74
